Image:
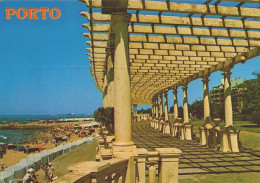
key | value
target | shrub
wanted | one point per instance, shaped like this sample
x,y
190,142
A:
x,y
106,117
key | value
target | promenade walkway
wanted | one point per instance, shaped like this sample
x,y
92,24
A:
x,y
196,159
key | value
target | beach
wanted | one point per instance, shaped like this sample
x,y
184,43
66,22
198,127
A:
x,y
44,139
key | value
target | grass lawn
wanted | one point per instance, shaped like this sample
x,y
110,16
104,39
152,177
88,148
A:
x,y
87,152
249,133
221,178
249,137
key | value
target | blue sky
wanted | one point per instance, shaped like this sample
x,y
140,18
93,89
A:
x,y
44,69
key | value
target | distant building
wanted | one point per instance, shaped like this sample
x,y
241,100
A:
x,y
217,93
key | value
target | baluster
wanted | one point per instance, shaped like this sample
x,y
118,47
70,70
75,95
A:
x,y
120,180
153,158
152,173
141,159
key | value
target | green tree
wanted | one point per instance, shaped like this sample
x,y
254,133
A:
x,y
145,111
217,110
251,99
106,117
196,109
180,111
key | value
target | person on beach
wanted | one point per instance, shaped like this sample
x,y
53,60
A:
x,y
50,172
2,167
30,177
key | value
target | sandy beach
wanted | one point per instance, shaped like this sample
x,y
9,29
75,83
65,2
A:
x,y
61,129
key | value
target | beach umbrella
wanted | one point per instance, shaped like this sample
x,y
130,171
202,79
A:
x,y
39,147
21,148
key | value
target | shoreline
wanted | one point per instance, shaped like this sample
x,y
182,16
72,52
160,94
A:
x,y
42,124
45,139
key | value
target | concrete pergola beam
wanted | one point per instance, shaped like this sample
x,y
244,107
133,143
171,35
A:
x,y
166,49
184,8
179,21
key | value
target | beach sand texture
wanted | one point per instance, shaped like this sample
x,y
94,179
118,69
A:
x,y
12,157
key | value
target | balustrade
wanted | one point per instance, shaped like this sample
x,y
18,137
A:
x,y
215,137
162,166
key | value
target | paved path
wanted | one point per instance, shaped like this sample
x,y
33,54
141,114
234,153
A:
x,y
196,159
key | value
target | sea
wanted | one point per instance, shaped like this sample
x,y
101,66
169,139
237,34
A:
x,y
17,136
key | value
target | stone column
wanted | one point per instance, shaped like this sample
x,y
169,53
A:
x,y
206,106
156,108
186,126
227,97
122,96
110,78
175,103
232,138
161,105
168,164
105,96
185,104
135,109
166,106
153,108
206,109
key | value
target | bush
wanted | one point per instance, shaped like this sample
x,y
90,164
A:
x,y
251,99
106,117
241,117
217,110
255,118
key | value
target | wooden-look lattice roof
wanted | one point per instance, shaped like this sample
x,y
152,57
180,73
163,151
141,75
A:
x,y
171,43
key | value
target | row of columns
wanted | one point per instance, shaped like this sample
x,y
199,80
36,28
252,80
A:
x,y
229,143
157,113
117,87
157,106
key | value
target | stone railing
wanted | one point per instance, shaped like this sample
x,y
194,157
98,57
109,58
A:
x,y
225,139
107,171
140,117
162,166
162,160
181,130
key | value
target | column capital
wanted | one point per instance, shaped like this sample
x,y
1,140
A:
x,y
110,50
174,91
226,72
185,86
121,17
174,88
165,93
205,78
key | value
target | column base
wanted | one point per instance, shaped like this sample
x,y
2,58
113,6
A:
x,y
188,131
234,141
123,143
203,141
225,143
122,150
167,129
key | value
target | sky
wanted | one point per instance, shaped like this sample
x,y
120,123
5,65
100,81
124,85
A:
x,y
44,67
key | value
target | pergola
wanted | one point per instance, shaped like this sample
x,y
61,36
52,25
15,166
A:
x,y
151,47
